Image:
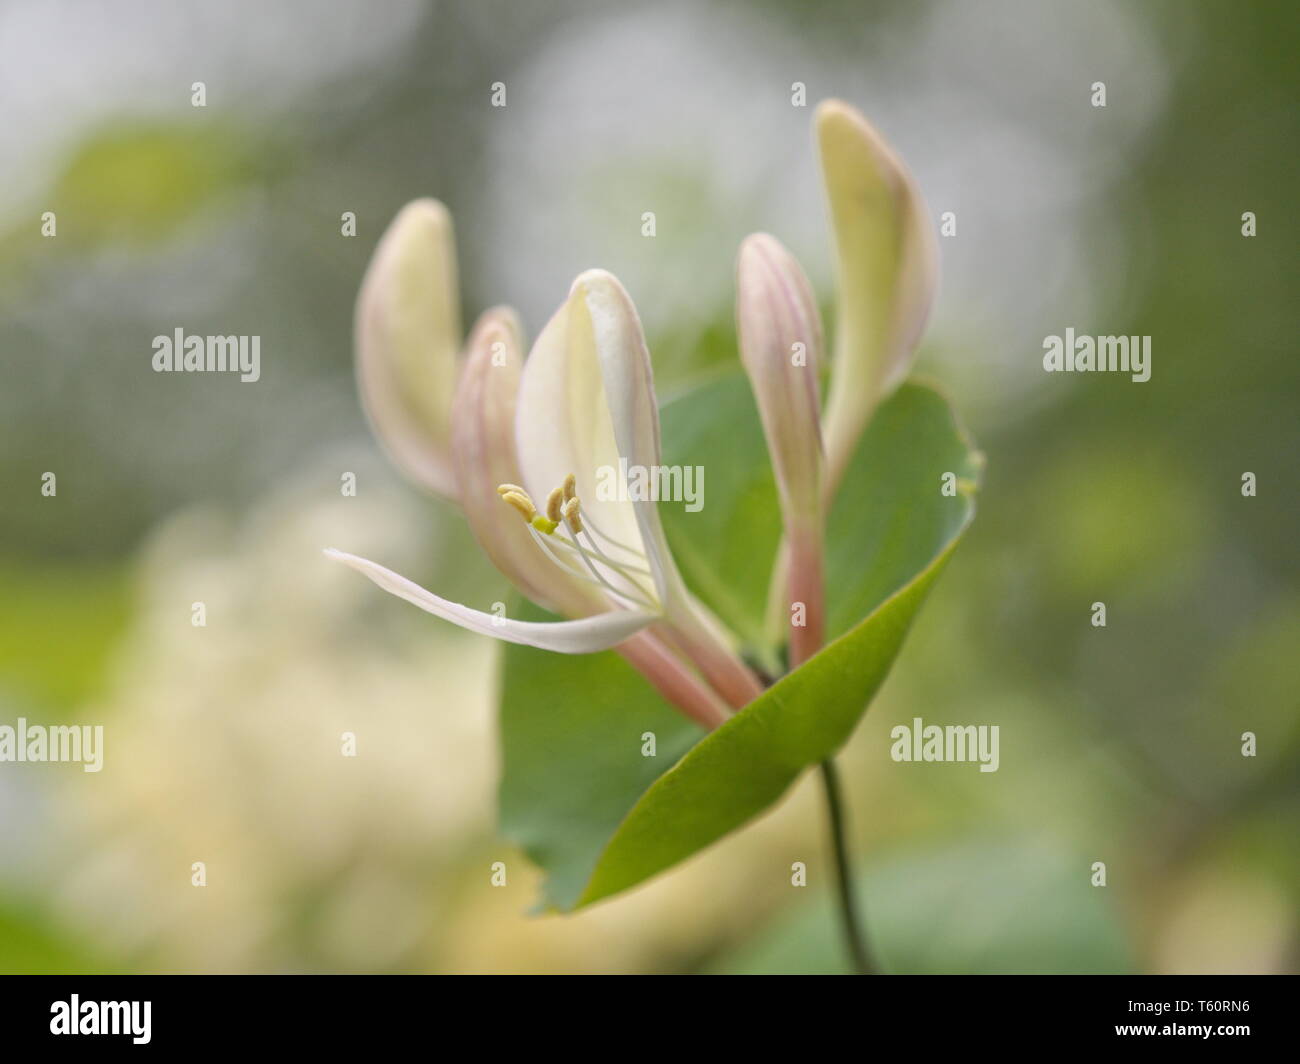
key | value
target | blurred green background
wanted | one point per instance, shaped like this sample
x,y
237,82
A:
x,y
1119,744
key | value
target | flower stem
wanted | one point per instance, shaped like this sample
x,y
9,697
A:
x,y
849,918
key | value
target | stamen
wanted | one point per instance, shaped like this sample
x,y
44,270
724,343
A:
x,y
595,578
549,545
570,510
521,502
619,567
641,599
570,513
594,529
563,507
622,568
553,503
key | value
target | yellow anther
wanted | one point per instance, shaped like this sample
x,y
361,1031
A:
x,y
553,503
570,487
570,511
521,502
502,489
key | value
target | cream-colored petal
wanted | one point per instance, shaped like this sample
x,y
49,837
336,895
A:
x,y
564,424
585,636
408,336
886,271
604,322
605,328
483,448
586,400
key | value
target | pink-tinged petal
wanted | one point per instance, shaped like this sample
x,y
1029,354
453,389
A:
x,y
585,636
674,679
483,449
886,270
781,347
698,634
408,336
806,591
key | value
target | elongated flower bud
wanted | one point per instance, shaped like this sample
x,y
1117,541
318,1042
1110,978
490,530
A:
x,y
886,266
408,335
781,347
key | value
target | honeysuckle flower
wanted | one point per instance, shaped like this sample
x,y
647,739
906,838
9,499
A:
x,y
587,403
522,451
780,337
525,448
519,444
886,268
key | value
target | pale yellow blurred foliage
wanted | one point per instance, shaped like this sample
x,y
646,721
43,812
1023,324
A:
x,y
717,898
224,744
1220,920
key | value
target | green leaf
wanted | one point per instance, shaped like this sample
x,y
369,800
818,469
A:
x,y
883,513
890,519
998,905
740,769
726,548
576,792
571,738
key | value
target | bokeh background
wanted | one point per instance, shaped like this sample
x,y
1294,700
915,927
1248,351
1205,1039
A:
x,y
1119,745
